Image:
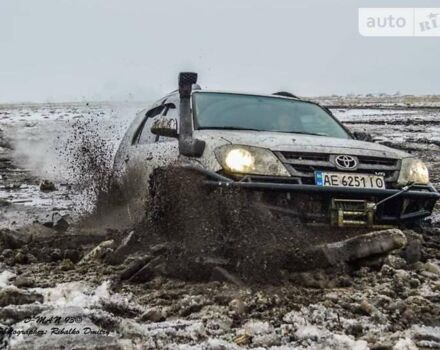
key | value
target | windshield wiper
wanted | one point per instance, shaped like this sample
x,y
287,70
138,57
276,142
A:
x,y
227,128
300,132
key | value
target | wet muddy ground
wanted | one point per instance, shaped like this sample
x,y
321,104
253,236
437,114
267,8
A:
x,y
69,286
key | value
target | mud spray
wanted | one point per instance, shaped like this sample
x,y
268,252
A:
x,y
204,232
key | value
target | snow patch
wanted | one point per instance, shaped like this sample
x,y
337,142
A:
x,y
405,344
5,276
77,294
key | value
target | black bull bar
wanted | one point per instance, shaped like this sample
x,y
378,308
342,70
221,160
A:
x,y
426,195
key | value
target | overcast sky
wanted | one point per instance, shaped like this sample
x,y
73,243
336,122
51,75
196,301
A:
x,y
62,50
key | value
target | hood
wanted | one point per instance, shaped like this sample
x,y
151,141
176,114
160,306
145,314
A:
x,y
276,141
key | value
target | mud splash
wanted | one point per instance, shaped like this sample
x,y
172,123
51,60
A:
x,y
88,153
210,234
90,159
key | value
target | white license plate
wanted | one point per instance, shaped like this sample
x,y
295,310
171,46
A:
x,y
323,178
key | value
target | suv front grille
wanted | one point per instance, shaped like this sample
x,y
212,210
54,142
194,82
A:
x,y
303,165
378,161
305,156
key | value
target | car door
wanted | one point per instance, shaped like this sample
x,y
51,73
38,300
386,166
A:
x,y
148,151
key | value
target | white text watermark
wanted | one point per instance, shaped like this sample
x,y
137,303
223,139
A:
x,y
420,22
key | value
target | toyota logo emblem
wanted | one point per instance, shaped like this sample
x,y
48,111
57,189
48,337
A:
x,y
346,162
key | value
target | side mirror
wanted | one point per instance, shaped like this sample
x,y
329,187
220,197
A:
x,y
165,127
363,136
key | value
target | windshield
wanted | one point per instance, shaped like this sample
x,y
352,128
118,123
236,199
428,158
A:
x,y
214,110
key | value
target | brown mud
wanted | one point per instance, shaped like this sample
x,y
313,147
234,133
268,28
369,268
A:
x,y
206,234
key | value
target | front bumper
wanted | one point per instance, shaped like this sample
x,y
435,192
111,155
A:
x,y
320,204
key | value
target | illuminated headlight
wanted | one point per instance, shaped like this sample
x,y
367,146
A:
x,y
240,160
249,160
413,171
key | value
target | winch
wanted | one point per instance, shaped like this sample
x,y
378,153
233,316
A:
x,y
352,212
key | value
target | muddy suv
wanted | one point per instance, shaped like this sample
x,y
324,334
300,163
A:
x,y
294,153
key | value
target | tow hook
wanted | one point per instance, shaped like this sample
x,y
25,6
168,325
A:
x,y
403,190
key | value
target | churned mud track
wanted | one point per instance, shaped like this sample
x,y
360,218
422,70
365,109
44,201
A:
x,y
171,286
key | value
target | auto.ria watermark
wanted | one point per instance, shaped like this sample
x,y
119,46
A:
x,y
415,22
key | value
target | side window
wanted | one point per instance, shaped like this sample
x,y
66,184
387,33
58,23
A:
x,y
143,134
146,136
170,111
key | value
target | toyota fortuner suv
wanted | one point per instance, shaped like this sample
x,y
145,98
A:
x,y
287,149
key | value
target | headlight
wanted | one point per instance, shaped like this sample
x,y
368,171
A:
x,y
249,160
240,160
413,171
